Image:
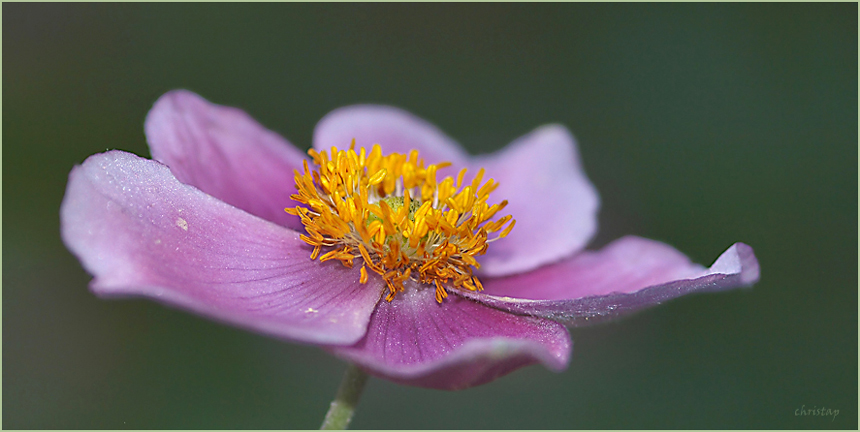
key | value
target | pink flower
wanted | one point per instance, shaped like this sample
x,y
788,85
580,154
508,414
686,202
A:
x,y
202,227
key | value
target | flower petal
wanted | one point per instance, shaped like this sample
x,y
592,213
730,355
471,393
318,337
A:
x,y
395,130
225,153
454,345
553,202
629,274
141,232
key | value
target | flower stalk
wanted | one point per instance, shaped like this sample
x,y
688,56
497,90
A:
x,y
343,406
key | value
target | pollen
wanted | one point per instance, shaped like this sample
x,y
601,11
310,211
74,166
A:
x,y
389,214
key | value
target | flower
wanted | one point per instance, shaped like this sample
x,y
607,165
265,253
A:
x,y
202,227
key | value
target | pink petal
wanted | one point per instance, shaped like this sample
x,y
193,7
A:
x,y
629,274
397,131
553,202
141,232
454,345
225,153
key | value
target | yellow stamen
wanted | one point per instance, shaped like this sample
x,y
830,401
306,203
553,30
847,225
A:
x,y
390,211
363,278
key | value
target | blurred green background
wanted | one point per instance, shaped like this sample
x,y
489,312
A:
x,y
700,125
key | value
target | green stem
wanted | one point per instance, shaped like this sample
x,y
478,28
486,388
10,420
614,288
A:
x,y
343,406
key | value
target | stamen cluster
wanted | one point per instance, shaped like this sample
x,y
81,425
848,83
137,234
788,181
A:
x,y
390,211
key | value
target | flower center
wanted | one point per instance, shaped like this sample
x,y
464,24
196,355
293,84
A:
x,y
390,211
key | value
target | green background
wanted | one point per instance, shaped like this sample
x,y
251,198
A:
x,y
700,125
